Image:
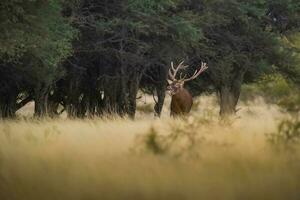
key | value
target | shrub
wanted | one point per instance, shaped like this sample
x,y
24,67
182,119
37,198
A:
x,y
287,136
183,138
274,89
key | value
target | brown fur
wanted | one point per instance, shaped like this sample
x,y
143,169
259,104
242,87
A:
x,y
181,102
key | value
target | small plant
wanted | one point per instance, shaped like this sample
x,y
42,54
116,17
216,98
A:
x,y
153,142
291,104
287,135
183,138
273,88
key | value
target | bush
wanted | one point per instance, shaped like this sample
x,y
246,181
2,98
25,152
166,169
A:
x,y
287,136
274,89
183,138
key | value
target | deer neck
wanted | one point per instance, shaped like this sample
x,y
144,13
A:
x,y
179,93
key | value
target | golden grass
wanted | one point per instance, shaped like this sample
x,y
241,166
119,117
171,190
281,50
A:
x,y
110,159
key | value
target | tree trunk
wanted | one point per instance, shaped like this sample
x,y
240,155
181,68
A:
x,y
72,100
8,108
229,97
133,90
8,103
100,106
54,101
160,88
123,96
161,94
40,100
132,103
230,94
110,99
92,104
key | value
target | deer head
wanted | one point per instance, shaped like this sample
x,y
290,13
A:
x,y
175,85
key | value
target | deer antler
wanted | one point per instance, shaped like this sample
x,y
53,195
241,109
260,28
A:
x,y
197,72
173,71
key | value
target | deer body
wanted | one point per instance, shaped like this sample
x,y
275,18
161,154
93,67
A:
x,y
182,100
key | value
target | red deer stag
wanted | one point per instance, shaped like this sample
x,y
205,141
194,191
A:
x,y
182,100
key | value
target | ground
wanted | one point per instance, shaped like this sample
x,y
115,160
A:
x,y
198,157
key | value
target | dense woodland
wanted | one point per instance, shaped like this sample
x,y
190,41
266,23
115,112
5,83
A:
x,y
91,57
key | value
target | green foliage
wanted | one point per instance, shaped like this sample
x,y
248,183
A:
x,y
150,28
151,6
275,89
285,14
291,103
36,39
274,86
124,39
238,41
287,136
54,44
35,34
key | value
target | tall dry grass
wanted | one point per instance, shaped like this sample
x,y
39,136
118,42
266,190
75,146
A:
x,y
198,157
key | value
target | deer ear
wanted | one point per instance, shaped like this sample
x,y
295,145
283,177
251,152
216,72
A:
x,y
181,83
169,81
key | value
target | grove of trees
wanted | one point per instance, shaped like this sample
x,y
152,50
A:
x,y
91,57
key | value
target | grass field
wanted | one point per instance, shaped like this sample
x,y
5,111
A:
x,y
198,157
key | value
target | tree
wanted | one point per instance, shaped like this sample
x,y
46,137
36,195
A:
x,y
123,46
123,43
36,39
241,41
